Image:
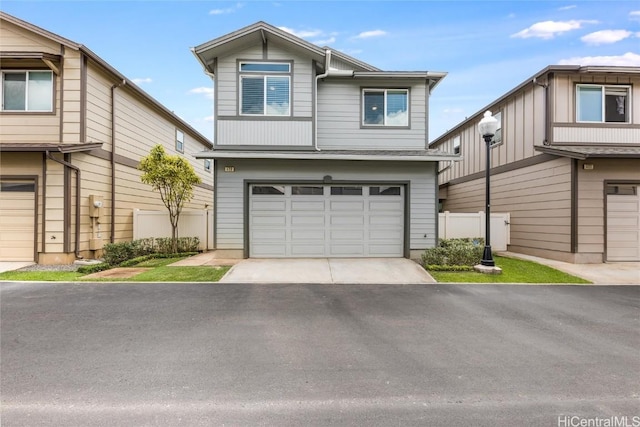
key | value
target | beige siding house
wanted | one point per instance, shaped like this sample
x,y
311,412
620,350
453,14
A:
x,y
72,132
565,164
316,153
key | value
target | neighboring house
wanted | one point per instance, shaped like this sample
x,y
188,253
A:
x,y
72,132
317,154
565,164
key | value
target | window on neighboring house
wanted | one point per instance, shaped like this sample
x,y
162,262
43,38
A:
x,y
603,104
27,91
265,88
385,107
179,141
207,165
456,145
497,138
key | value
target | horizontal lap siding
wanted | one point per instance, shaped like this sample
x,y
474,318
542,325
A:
x,y
339,117
537,197
230,197
591,198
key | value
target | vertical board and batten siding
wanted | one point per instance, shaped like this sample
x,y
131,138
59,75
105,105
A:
x,y
20,127
523,127
538,198
564,94
231,192
592,199
340,121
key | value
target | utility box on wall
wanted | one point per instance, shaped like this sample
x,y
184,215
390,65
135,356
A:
x,y
95,206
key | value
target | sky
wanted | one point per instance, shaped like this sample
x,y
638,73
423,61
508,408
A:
x,y
486,47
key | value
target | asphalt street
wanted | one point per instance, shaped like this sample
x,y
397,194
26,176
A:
x,y
151,354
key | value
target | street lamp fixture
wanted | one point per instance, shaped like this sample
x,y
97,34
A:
x,y
487,129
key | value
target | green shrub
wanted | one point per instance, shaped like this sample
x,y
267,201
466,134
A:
x,y
93,268
448,267
164,245
115,253
455,252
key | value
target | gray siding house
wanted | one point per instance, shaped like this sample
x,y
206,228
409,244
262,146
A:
x,y
565,164
317,154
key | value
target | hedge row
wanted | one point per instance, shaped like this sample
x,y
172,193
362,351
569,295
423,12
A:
x,y
451,253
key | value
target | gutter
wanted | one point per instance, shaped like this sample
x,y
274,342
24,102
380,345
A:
x,y
112,236
77,227
327,72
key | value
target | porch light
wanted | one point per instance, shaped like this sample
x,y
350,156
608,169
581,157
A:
x,y
487,129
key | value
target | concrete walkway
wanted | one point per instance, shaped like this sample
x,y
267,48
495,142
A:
x,y
323,270
611,273
13,265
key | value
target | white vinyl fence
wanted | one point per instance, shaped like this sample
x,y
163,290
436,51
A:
x,y
191,224
457,225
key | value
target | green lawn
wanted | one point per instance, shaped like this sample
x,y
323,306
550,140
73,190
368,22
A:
x,y
41,276
513,271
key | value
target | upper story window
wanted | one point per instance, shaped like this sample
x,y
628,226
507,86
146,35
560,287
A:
x,y
265,88
456,144
179,141
603,104
27,91
385,107
207,165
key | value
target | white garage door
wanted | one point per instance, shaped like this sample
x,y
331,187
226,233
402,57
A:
x,y
17,219
326,221
623,223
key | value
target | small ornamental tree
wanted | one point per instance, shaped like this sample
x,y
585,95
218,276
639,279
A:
x,y
173,177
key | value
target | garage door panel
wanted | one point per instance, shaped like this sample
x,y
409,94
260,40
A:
x,y
17,220
623,225
326,225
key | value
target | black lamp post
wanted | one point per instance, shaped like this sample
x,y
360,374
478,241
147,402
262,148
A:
x,y
487,128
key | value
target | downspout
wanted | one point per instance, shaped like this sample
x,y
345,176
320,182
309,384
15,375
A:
x,y
112,236
77,227
547,124
327,72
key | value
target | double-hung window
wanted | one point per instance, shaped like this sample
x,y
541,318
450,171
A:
x,y
385,107
27,91
603,104
265,88
179,141
497,138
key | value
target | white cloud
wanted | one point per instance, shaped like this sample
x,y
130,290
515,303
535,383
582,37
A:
x,y
328,41
605,37
372,33
549,29
629,59
634,15
303,34
573,6
226,10
208,118
207,91
142,80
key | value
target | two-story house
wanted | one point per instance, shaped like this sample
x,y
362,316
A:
x,y
565,164
72,132
318,154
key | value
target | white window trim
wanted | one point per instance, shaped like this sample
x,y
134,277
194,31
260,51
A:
x,y
264,95
495,142
384,117
207,165
603,93
457,138
179,141
26,91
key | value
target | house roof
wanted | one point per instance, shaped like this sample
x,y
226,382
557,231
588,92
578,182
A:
x,y
101,62
48,146
583,152
534,80
385,155
261,32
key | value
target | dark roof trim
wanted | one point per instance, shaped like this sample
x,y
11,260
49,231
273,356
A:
x,y
52,146
400,155
583,154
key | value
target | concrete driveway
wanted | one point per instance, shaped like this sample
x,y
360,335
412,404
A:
x,y
328,270
153,354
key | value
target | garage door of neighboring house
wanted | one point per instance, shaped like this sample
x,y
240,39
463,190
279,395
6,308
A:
x,y
17,220
326,221
623,223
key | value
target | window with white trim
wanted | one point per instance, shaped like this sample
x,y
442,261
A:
x,y
456,144
602,104
179,141
265,88
385,107
27,91
207,165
